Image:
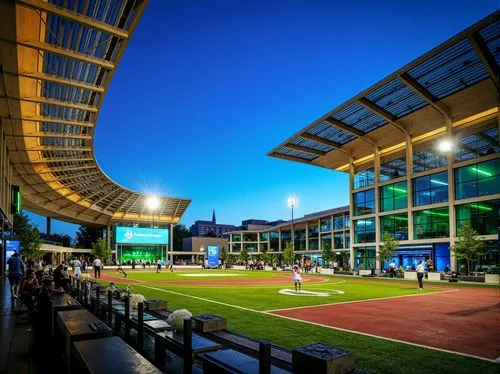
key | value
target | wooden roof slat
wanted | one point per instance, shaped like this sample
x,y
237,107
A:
x,y
75,17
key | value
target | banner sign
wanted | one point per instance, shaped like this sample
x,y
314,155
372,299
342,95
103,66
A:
x,y
134,235
213,255
12,245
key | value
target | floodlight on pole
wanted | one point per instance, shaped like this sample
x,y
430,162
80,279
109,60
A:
x,y
152,202
445,145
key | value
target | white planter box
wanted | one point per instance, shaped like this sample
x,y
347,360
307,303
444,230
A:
x,y
491,278
268,268
434,276
239,267
326,271
410,275
365,272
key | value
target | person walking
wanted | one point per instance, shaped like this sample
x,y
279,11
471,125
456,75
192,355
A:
x,y
97,267
420,276
16,270
392,269
158,266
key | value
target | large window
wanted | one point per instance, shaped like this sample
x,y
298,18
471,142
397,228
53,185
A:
x,y
392,168
313,244
393,196
431,223
313,237
264,236
236,247
396,225
478,179
364,258
430,189
338,241
249,237
364,202
274,240
286,236
347,240
482,143
338,223
364,230
236,237
427,156
326,241
326,225
364,178
250,247
300,240
482,216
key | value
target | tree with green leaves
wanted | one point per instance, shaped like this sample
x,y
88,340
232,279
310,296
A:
x,y
29,236
327,254
87,235
386,251
223,253
468,245
244,255
101,250
265,257
289,254
179,233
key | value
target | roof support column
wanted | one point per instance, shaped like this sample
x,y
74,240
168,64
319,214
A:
x,y
451,194
376,167
307,236
108,235
409,184
351,212
171,243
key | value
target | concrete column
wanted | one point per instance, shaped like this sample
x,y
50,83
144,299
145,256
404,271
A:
x,y
409,182
351,211
331,233
279,240
376,167
171,242
108,235
307,236
451,195
48,226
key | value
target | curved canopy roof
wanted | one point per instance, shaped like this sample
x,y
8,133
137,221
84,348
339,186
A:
x,y
457,82
56,59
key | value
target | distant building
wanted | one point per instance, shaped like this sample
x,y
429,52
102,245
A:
x,y
211,228
258,224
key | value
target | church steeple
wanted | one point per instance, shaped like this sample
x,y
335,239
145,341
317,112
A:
x,y
213,217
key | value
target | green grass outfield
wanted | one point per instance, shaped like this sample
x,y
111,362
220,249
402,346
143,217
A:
x,y
243,306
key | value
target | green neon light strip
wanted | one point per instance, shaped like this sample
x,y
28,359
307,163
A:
x,y
481,207
482,172
436,214
399,218
397,189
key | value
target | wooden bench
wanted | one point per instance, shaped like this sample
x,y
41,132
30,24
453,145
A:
x,y
110,355
231,361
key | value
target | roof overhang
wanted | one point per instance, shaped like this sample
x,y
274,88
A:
x,y
456,83
56,64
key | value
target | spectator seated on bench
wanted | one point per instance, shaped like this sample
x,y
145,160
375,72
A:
x,y
454,276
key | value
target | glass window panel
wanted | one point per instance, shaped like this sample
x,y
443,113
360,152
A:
x,y
482,216
427,156
236,237
250,247
364,230
431,223
236,247
326,225
263,247
347,240
249,237
482,143
264,236
364,178
393,196
478,179
338,241
313,231
313,244
326,241
339,223
430,189
364,258
396,225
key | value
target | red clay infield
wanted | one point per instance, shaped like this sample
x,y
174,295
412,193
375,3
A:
x,y
214,281
466,320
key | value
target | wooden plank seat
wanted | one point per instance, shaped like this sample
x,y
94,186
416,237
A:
x,y
234,362
110,355
280,356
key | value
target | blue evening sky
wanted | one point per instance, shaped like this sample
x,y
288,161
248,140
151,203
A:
x,y
206,88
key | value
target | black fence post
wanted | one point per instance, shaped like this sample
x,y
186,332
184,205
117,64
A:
x,y
110,307
140,326
85,294
78,289
264,357
188,346
127,318
97,299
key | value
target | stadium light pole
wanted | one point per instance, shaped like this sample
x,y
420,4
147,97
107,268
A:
x,y
292,201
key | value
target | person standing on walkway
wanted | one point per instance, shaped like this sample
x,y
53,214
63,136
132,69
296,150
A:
x,y
16,269
77,266
420,275
97,267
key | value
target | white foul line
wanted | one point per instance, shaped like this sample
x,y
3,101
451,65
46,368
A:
x,y
330,327
358,301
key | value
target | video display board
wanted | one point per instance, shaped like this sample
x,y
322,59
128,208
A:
x,y
135,235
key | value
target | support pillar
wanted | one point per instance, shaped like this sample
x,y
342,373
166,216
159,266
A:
x,y
48,226
351,212
451,195
409,183
376,168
